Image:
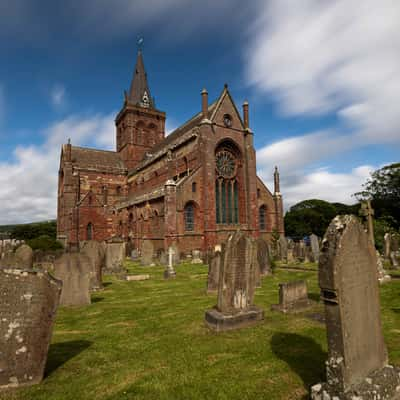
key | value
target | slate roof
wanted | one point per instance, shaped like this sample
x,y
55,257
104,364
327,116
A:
x,y
178,135
98,160
139,84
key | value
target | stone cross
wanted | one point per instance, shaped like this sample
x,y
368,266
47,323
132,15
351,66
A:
x,y
357,365
367,212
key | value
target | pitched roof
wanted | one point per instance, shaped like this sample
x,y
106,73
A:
x,y
99,160
139,93
177,136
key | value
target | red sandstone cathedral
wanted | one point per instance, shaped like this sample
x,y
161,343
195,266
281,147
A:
x,y
189,189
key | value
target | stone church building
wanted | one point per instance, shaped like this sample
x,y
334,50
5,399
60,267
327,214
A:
x,y
189,189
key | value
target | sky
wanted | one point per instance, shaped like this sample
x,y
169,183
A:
x,y
322,79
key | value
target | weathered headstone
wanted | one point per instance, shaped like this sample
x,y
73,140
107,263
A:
x,y
394,259
74,269
383,276
147,252
357,357
282,246
293,297
263,257
237,280
96,253
314,244
21,258
115,255
142,277
169,271
134,255
214,268
367,213
29,301
196,257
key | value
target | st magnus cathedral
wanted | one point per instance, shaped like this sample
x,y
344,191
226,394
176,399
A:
x,y
189,189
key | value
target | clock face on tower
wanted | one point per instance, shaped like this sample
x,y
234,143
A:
x,y
225,164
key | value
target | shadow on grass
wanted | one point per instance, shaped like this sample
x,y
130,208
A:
x,y
97,299
314,296
106,284
60,353
396,310
303,355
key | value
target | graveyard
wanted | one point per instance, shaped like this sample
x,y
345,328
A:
x,y
148,340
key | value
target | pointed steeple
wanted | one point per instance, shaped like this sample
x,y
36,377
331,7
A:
x,y
139,93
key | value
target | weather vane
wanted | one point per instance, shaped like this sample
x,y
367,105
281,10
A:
x,y
140,43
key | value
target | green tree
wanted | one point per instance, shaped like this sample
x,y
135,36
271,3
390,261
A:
x,y
34,230
383,189
314,216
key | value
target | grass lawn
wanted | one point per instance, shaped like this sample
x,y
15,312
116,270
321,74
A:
x,y
147,340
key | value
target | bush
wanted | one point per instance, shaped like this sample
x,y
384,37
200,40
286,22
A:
x,y
44,242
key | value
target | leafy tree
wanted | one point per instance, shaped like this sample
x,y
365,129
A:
x,y
383,188
34,230
314,216
44,242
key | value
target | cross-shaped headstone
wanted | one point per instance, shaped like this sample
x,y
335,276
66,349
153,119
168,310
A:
x,y
367,212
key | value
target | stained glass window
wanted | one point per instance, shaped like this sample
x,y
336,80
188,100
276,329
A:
x,y
189,217
262,218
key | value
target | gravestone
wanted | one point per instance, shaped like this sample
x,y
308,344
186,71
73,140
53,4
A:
x,y
169,272
282,245
314,244
237,280
214,269
96,253
134,255
21,258
394,259
74,270
387,242
29,301
357,358
383,276
367,213
196,257
263,257
115,255
147,252
293,297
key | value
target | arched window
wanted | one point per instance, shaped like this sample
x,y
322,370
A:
x,y
194,187
89,231
227,158
189,217
262,216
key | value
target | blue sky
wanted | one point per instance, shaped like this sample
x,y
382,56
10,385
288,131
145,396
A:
x,y
322,80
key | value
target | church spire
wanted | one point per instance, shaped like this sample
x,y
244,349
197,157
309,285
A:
x,y
139,93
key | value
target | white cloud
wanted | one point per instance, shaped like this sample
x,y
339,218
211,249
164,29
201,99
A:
x,y
58,96
340,56
28,184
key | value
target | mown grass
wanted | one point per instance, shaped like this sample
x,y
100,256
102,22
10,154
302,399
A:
x,y
147,340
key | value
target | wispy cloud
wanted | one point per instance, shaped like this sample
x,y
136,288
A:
x,y
58,95
28,183
339,56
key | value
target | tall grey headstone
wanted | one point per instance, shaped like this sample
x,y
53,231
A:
x,y
357,356
214,268
73,269
263,257
115,255
96,253
29,301
147,252
236,286
314,243
170,271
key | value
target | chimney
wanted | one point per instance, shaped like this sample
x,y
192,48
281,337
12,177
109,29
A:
x,y
204,103
246,114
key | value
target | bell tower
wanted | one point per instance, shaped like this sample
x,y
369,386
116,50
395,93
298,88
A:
x,y
140,126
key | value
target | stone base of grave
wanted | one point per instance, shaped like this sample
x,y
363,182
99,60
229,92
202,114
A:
x,y
169,274
219,322
143,277
383,384
293,308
